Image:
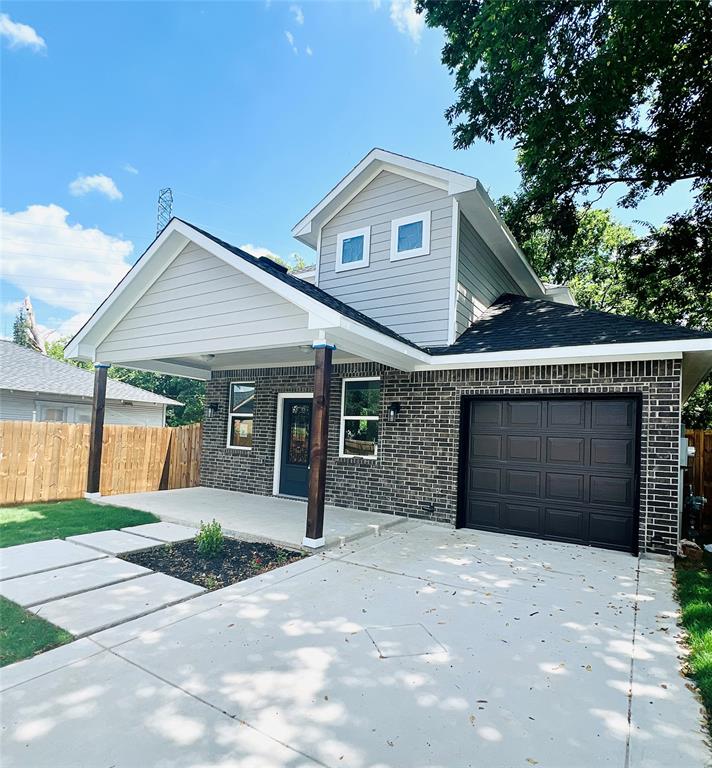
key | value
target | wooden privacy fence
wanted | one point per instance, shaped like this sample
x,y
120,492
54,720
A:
x,y
699,470
47,461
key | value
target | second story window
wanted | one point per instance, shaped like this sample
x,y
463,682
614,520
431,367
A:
x,y
410,236
353,249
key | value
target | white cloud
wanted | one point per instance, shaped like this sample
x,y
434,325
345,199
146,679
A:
x,y
406,20
375,4
309,50
259,251
298,13
64,265
290,40
20,35
130,169
105,185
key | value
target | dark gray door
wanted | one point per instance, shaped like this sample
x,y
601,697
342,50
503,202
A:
x,y
556,469
296,427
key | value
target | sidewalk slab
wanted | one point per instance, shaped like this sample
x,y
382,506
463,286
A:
x,y
49,661
102,608
114,542
62,582
167,532
39,556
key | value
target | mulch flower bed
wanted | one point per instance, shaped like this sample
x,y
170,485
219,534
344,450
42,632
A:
x,y
239,560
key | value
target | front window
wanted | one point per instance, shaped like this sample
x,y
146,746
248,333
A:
x,y
241,415
360,409
353,249
410,236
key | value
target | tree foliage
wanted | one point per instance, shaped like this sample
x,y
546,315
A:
x,y
596,95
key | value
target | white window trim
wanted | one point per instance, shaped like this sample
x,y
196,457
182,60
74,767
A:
x,y
231,416
343,419
364,232
424,249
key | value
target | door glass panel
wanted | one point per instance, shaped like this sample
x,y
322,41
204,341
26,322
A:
x,y
298,447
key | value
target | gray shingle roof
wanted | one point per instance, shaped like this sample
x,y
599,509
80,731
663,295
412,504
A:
x,y
25,370
516,322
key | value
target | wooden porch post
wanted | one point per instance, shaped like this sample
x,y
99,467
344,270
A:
x,y
319,440
96,433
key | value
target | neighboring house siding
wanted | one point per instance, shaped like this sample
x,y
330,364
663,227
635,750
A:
x,y
409,296
481,277
416,472
210,304
26,406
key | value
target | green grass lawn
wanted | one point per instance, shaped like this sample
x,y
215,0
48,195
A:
x,y
694,591
22,634
57,520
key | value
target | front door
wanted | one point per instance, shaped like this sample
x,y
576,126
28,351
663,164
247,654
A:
x,y
296,427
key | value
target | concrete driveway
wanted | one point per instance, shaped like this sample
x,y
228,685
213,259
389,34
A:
x,y
421,647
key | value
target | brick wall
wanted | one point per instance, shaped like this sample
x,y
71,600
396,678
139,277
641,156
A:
x,y
415,473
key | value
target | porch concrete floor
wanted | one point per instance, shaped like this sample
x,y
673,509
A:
x,y
422,648
258,518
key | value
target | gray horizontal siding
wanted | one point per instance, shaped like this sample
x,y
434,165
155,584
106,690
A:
x,y
409,296
24,406
481,277
201,304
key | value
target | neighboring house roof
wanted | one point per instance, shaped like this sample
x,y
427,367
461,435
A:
x,y
281,273
25,370
515,322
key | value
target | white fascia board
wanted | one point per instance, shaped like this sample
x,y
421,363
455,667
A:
x,y
365,342
585,353
128,291
365,171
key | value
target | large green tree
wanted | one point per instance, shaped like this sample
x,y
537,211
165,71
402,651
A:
x,y
596,96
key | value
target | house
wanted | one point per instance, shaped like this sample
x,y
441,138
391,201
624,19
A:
x,y
34,387
425,371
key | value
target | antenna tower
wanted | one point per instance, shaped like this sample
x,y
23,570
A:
x,y
165,209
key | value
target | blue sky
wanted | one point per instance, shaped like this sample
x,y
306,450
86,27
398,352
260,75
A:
x,y
249,111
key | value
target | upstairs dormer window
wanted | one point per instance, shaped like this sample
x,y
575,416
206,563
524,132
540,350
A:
x,y
410,236
353,249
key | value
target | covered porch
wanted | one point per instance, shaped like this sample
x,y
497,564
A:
x,y
256,518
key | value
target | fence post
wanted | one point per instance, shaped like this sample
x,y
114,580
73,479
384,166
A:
x,y
96,434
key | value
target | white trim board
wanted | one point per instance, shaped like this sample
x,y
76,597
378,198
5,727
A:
x,y
281,397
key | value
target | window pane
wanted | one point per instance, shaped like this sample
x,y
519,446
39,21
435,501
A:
x,y
241,432
410,236
360,437
362,398
54,414
242,398
352,250
299,422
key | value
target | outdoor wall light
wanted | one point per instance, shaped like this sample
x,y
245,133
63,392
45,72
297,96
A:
x,y
213,409
393,411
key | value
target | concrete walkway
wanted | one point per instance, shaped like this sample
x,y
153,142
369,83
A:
x,y
423,647
257,518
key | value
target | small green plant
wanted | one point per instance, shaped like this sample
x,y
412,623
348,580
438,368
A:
x,y
210,539
210,581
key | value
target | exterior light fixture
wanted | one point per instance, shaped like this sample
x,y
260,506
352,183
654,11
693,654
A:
x,y
213,409
393,411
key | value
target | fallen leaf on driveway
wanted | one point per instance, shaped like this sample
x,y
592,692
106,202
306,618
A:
x,y
532,761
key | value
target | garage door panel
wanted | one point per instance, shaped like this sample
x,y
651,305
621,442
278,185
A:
x,y
524,413
565,450
612,414
485,480
487,413
487,447
566,413
566,486
614,491
522,483
612,452
563,469
483,513
524,448
565,524
521,518
610,530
